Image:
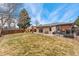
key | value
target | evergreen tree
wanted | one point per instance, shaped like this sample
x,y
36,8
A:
x,y
24,20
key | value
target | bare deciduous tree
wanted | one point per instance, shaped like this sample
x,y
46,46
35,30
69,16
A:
x,y
5,16
10,7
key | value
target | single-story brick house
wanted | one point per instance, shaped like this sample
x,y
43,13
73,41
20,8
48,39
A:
x,y
55,27
51,28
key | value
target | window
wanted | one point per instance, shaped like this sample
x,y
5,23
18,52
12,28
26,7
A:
x,y
57,28
50,29
41,30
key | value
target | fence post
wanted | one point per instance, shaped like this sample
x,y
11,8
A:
x,y
0,32
75,36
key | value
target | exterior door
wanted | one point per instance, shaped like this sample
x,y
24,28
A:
x,y
41,30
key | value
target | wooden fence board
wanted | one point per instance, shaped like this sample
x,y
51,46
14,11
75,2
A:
x,y
4,32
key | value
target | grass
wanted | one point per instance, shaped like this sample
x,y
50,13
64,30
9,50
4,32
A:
x,y
30,44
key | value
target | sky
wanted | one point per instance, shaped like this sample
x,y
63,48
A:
x,y
52,12
47,13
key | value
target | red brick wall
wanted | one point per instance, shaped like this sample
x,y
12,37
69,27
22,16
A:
x,y
65,27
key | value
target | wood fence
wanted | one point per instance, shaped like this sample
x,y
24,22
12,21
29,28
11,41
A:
x,y
4,32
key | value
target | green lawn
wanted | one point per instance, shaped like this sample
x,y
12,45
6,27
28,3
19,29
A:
x,y
29,44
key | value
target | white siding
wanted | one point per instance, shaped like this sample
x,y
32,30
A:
x,y
46,30
53,29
